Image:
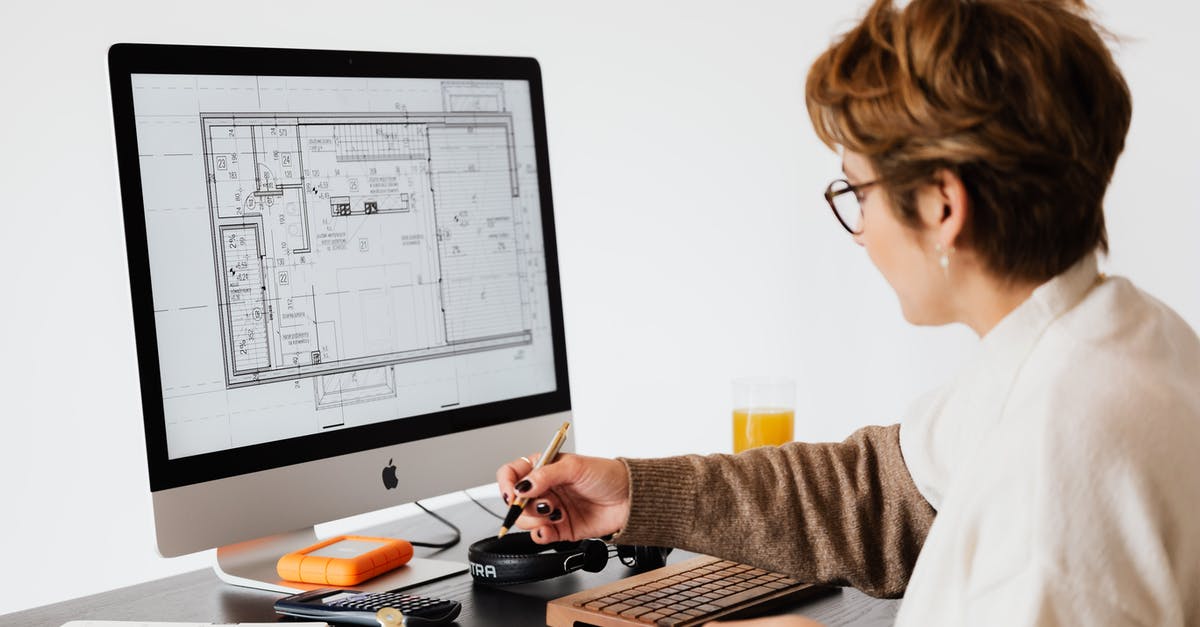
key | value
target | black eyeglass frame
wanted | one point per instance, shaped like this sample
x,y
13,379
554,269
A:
x,y
830,194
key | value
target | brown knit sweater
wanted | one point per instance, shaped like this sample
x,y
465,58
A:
x,y
843,513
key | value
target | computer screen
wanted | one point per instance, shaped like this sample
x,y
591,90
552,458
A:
x,y
332,252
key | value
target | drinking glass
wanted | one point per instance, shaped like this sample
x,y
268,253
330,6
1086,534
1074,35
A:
x,y
763,412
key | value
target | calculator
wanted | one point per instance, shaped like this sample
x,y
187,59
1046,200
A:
x,y
359,608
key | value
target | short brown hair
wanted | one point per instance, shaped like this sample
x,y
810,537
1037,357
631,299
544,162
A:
x,y
1020,98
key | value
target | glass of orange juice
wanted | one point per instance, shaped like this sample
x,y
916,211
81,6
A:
x,y
763,412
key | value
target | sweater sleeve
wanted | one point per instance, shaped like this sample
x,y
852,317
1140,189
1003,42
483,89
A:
x,y
844,513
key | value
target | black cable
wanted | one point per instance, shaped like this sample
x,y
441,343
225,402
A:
x,y
438,545
483,507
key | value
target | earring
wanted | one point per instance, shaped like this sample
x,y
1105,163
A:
x,y
944,258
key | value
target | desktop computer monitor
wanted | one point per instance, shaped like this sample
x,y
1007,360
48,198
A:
x,y
344,284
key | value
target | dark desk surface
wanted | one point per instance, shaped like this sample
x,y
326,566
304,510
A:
x,y
199,596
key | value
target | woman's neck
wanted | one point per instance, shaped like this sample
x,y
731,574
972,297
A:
x,y
985,300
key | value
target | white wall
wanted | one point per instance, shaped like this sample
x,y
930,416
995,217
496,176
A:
x,y
695,246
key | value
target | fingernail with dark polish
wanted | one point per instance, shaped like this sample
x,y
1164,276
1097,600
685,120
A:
x,y
556,515
543,508
506,499
523,486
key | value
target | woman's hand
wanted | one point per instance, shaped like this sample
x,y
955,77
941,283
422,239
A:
x,y
772,621
573,498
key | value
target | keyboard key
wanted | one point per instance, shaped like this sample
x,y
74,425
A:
x,y
741,597
615,608
634,612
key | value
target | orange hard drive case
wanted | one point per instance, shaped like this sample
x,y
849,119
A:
x,y
344,571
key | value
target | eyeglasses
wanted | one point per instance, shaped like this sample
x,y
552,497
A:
x,y
846,201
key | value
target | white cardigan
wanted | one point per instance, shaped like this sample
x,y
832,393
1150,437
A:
x,y
1064,463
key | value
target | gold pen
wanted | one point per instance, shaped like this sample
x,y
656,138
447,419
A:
x,y
518,504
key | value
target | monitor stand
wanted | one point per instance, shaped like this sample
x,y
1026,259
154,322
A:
x,y
251,564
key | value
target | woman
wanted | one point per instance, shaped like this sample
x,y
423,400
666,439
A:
x,y
1054,480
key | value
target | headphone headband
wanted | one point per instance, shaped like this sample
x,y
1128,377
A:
x,y
516,558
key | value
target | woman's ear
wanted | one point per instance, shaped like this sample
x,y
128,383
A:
x,y
944,206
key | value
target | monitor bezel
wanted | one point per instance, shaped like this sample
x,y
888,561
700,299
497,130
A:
x,y
127,59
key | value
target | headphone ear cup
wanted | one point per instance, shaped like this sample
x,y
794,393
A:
x,y
625,553
643,557
595,555
650,557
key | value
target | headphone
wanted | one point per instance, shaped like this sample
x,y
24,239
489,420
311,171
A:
x,y
516,558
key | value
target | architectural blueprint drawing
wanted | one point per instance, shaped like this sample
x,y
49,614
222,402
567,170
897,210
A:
x,y
374,246
349,243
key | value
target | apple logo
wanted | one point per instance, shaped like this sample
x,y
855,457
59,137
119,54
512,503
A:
x,y
389,476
